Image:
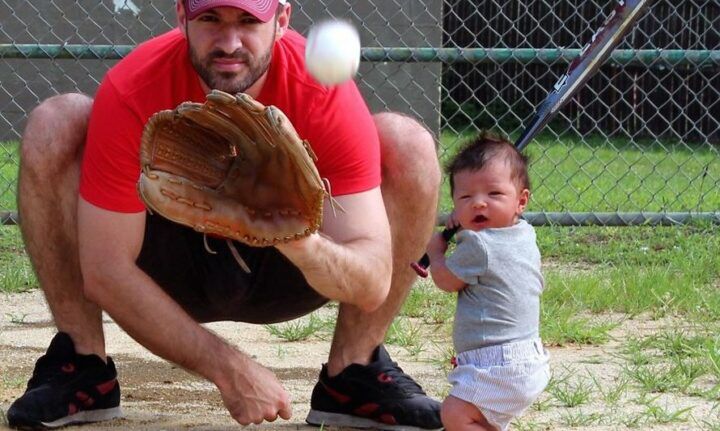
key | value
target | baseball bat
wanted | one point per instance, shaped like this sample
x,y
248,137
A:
x,y
591,57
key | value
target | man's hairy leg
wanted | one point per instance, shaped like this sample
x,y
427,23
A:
x,y
51,150
410,187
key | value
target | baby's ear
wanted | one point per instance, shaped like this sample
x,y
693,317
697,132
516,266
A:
x,y
523,200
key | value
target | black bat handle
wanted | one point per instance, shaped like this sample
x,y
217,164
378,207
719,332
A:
x,y
422,265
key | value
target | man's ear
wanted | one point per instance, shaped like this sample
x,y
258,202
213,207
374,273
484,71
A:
x,y
283,20
523,200
181,17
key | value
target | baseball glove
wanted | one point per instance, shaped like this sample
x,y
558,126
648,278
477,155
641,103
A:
x,y
233,168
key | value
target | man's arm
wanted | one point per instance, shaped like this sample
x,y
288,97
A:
x,y
109,244
351,260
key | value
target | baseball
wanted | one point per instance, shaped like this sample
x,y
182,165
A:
x,y
332,52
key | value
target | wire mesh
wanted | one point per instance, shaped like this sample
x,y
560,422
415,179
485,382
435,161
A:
x,y
641,137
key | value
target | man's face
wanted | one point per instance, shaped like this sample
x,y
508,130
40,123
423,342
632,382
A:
x,y
229,48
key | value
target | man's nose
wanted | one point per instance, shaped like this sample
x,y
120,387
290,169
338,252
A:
x,y
229,40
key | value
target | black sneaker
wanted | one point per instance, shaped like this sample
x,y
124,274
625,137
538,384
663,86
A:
x,y
67,388
379,395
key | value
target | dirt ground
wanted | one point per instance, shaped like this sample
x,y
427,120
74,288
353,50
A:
x,y
157,395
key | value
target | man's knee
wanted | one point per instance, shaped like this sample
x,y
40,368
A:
x,y
408,151
401,133
56,129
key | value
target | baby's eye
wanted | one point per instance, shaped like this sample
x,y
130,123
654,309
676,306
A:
x,y
496,193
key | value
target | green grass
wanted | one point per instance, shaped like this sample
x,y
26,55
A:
x,y
16,274
300,329
634,269
572,394
9,163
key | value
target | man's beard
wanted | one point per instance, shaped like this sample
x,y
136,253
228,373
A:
x,y
230,82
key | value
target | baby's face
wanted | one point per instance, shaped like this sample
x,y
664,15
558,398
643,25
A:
x,y
488,198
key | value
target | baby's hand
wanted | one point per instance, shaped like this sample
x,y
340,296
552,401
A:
x,y
437,246
452,221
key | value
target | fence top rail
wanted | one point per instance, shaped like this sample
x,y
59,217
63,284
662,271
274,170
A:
x,y
644,57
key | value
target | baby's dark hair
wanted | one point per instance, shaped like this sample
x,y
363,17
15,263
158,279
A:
x,y
487,146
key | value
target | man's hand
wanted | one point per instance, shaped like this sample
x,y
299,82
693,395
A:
x,y
452,221
252,393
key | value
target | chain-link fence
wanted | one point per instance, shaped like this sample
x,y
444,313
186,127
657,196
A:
x,y
638,144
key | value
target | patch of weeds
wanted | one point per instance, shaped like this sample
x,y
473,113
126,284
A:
x,y
664,305
298,329
580,419
3,418
18,319
325,325
712,423
713,356
654,379
635,352
712,394
542,405
417,301
678,344
688,370
429,303
634,420
415,350
282,352
660,415
443,357
527,425
17,277
707,394
677,376
559,376
572,394
611,394
560,326
404,333
441,313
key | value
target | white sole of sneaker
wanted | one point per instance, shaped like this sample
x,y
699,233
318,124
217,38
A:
x,y
320,419
85,416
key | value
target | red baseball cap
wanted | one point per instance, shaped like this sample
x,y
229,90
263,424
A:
x,y
263,10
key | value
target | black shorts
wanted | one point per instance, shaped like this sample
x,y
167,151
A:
x,y
213,287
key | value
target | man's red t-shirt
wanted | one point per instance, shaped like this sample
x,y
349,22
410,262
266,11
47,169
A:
x,y
158,75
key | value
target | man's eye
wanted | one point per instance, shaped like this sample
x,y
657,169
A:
x,y
207,18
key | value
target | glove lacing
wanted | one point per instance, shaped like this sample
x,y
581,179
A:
x,y
333,202
233,250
